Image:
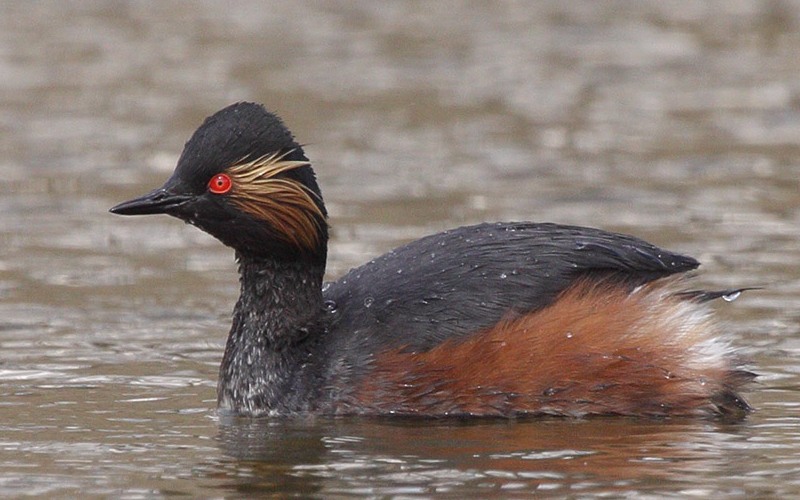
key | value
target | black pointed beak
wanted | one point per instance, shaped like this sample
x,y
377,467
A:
x,y
159,201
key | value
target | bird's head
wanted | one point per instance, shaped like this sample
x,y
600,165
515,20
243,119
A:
x,y
243,179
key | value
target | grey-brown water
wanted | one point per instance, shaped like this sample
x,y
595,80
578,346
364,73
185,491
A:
x,y
678,122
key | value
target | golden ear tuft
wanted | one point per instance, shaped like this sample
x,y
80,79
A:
x,y
285,204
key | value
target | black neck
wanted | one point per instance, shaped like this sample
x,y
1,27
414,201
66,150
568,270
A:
x,y
275,324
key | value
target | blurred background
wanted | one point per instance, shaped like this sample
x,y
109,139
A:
x,y
676,121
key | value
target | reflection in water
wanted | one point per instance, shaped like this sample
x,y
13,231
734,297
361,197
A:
x,y
385,457
270,450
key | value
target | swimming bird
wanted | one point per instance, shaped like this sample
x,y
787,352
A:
x,y
494,320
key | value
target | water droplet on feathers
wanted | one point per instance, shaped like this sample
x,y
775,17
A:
x,y
730,297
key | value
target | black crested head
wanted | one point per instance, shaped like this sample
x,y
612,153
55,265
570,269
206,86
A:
x,y
240,131
244,179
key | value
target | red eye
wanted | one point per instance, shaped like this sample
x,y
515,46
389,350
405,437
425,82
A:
x,y
220,184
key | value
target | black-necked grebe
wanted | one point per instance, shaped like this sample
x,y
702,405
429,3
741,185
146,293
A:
x,y
502,319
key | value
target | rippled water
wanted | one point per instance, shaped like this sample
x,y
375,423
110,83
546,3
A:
x,y
675,121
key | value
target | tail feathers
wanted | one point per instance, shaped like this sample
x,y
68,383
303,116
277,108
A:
x,y
728,404
700,296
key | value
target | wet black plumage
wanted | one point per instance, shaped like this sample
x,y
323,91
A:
x,y
375,340
475,275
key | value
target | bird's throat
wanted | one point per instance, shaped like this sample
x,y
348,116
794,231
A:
x,y
275,322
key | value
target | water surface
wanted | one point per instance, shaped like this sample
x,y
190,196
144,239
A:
x,y
676,122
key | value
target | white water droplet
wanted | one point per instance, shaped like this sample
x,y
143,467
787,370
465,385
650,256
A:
x,y
730,297
570,335
503,276
368,301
